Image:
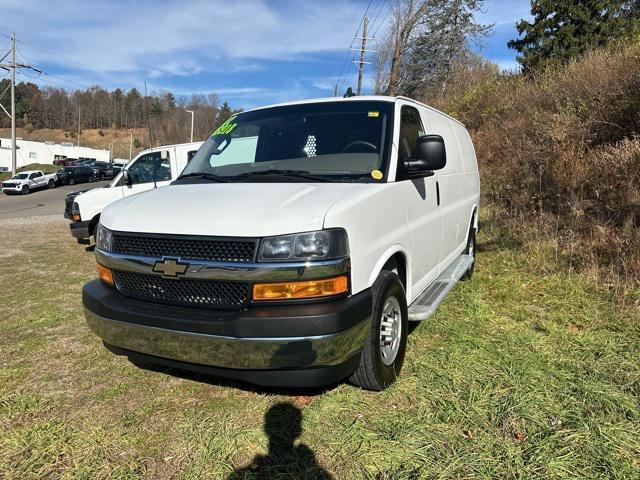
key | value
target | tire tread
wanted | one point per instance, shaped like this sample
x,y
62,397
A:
x,y
365,375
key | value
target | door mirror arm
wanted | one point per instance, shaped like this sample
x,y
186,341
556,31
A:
x,y
416,168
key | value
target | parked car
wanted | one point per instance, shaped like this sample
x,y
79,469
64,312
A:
x,y
72,175
296,245
65,161
26,182
151,168
102,170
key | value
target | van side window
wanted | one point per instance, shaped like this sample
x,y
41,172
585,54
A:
x,y
411,129
150,167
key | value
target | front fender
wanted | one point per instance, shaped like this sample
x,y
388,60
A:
x,y
375,220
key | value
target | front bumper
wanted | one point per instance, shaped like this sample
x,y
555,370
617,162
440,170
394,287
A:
x,y
80,230
293,345
16,189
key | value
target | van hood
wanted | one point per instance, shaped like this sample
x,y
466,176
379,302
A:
x,y
233,209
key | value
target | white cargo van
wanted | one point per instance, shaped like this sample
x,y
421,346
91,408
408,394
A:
x,y
152,168
296,245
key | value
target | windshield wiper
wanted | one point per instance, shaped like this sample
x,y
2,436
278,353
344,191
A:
x,y
303,174
206,176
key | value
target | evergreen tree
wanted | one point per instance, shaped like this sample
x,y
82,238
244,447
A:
x,y
562,29
224,112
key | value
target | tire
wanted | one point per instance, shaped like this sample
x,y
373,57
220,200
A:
x,y
25,190
470,250
72,181
101,176
51,184
375,372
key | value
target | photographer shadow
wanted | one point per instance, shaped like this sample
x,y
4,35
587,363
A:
x,y
283,425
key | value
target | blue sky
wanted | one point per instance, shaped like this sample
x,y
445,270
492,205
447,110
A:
x,y
249,52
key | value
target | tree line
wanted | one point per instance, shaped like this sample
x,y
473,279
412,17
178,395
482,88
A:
x,y
163,114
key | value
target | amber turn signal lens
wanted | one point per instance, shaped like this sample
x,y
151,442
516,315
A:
x,y
293,290
75,217
105,274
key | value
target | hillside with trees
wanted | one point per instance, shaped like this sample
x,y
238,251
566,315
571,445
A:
x,y
52,114
558,143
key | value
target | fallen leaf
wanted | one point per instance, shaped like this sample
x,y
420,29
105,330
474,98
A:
x,y
303,400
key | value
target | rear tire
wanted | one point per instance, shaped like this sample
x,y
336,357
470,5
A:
x,y
51,184
384,348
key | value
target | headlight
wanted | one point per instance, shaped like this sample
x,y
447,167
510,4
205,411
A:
x,y
104,238
320,245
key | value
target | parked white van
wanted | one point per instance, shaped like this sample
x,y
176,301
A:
x,y
295,247
152,168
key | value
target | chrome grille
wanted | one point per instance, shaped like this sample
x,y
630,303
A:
x,y
210,249
192,293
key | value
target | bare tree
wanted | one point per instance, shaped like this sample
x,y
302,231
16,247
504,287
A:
x,y
405,18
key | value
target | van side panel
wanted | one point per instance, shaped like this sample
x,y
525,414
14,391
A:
x,y
453,188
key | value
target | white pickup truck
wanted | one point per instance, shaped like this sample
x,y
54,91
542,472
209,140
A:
x,y
152,168
27,181
295,247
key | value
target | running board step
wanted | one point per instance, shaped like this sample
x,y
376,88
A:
x,y
425,305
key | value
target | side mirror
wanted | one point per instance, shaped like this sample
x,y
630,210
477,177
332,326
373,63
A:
x,y
164,155
126,177
431,155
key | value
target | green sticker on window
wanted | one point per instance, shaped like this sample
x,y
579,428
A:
x,y
227,127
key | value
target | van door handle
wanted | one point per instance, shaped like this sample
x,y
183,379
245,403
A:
x,y
438,192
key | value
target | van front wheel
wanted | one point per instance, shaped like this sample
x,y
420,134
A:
x,y
383,352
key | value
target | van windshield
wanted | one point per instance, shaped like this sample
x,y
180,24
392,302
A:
x,y
329,141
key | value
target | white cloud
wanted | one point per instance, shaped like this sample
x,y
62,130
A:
x,y
174,35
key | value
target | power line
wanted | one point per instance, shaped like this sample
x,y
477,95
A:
x,y
382,5
51,52
84,66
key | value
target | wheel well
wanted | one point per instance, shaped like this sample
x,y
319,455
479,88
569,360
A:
x,y
92,224
398,262
474,225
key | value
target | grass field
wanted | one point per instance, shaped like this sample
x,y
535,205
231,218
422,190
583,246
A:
x,y
524,372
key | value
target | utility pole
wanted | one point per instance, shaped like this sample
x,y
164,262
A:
x,y
362,50
78,126
12,67
146,104
192,113
14,162
130,143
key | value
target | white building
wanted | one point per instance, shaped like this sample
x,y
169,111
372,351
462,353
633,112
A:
x,y
45,152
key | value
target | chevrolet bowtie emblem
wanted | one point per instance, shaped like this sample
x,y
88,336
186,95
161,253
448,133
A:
x,y
170,267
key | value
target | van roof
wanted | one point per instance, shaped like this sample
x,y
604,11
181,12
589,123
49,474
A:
x,y
378,98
